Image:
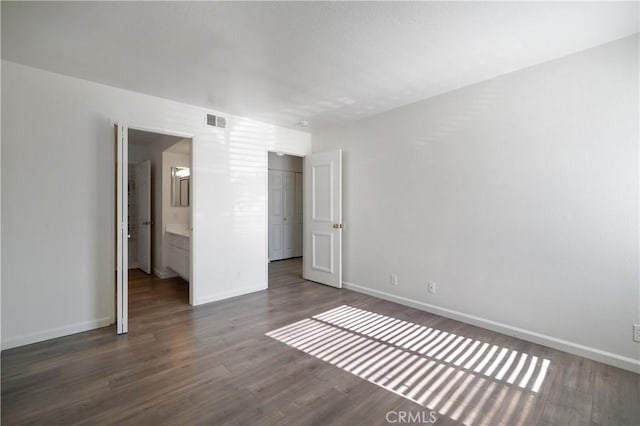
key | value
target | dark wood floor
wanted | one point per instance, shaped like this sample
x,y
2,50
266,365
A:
x,y
279,357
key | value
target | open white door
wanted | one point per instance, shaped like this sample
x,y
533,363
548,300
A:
x,y
323,218
122,195
143,187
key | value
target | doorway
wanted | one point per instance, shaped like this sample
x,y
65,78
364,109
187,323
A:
x,y
320,216
285,206
285,214
153,208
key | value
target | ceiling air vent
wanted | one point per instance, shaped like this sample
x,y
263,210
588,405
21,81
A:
x,y
216,121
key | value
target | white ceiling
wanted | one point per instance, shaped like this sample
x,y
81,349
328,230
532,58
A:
x,y
284,62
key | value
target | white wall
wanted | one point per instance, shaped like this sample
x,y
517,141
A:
x,y
518,196
58,194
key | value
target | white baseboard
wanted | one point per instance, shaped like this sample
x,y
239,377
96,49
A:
x,y
162,275
134,265
52,333
531,336
228,294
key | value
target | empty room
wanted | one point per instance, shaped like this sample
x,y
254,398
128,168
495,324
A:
x,y
320,213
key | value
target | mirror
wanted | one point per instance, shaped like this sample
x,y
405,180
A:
x,y
180,182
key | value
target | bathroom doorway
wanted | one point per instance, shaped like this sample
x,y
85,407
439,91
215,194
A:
x,y
154,204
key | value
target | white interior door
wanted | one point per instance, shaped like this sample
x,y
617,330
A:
x,y
276,232
122,197
323,218
143,186
288,207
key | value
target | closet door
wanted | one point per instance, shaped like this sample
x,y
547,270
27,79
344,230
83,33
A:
x,y
276,230
288,220
297,213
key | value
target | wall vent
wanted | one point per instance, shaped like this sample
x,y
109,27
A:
x,y
216,121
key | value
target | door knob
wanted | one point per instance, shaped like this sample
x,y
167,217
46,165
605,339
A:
x,y
146,222
337,226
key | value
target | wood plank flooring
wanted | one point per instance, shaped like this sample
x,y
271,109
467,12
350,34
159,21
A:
x,y
366,362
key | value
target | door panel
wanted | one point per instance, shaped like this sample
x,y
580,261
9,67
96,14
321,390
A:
x,y
321,196
322,259
143,185
323,218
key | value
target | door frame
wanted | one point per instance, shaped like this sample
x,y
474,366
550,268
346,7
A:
x,y
120,208
266,219
269,224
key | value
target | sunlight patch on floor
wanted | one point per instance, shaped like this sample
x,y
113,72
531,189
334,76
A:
x,y
463,378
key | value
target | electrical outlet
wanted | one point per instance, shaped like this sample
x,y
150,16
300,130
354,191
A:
x,y
431,286
636,332
238,275
394,279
